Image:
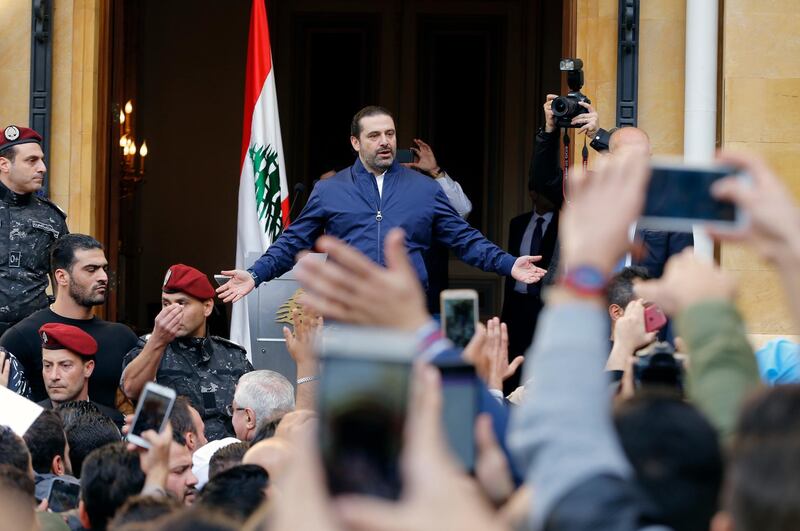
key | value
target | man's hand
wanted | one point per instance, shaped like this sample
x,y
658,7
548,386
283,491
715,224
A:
x,y
630,330
686,281
525,271
491,466
300,344
155,460
351,288
5,368
774,216
495,350
589,121
549,119
240,284
593,227
168,321
426,160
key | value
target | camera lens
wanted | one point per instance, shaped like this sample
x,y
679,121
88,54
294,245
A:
x,y
563,106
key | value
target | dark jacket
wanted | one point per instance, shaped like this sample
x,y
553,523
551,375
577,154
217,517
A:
x,y
349,207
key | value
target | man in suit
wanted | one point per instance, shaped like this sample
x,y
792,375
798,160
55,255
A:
x,y
534,233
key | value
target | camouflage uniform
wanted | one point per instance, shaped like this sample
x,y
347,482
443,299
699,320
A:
x,y
17,381
28,225
204,370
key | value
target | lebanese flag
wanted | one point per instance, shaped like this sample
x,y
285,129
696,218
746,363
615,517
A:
x,y
263,193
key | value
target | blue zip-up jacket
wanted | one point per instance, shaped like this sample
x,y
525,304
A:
x,y
349,207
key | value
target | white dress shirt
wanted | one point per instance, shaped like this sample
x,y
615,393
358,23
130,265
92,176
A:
x,y
455,194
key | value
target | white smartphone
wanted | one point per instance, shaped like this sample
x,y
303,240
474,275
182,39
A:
x,y
152,412
221,279
459,315
679,197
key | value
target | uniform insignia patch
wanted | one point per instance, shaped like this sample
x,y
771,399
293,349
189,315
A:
x,y
14,258
166,277
11,133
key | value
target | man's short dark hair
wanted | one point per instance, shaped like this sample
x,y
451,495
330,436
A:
x,y
196,519
227,457
9,153
45,440
111,475
369,110
237,492
62,251
676,455
14,479
763,483
143,509
620,287
181,420
87,433
69,411
13,450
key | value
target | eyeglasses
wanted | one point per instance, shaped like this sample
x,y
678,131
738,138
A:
x,y
229,409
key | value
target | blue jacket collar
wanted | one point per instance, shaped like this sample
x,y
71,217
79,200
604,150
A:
x,y
361,171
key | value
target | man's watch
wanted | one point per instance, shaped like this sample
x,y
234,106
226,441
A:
x,y
587,281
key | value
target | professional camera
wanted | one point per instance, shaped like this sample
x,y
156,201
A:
x,y
565,108
657,366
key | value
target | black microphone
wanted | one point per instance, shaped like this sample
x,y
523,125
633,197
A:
x,y
299,189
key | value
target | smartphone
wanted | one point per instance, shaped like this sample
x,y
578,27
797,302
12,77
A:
x,y
152,412
405,155
221,279
460,408
63,496
654,318
459,315
679,196
362,403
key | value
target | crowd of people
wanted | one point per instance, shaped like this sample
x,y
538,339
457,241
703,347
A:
x,y
606,426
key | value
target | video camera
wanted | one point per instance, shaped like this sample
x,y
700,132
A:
x,y
657,366
565,108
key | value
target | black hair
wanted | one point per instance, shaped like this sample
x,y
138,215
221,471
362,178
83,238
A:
x,y
677,458
45,440
87,433
143,509
181,420
12,478
62,251
620,287
69,411
196,519
227,457
237,492
763,483
13,450
369,110
111,474
9,153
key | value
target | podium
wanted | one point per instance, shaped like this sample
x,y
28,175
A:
x,y
267,346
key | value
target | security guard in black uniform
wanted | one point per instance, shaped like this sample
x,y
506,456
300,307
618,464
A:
x,y
28,225
179,354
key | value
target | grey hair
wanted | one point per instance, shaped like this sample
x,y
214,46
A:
x,y
268,393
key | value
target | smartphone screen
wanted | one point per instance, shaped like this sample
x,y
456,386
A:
x,y
154,408
63,496
459,317
685,193
459,410
362,405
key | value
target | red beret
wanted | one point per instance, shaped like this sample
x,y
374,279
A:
x,y
56,336
14,136
188,280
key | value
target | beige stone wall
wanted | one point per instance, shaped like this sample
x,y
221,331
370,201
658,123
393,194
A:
x,y
761,113
15,60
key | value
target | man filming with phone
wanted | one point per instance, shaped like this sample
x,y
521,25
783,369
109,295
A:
x,y
181,355
362,203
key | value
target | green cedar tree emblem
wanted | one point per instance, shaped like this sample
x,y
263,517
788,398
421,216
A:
x,y
268,189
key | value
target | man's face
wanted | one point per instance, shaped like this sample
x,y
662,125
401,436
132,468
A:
x,y
26,174
65,375
88,277
239,421
199,427
195,313
180,481
376,144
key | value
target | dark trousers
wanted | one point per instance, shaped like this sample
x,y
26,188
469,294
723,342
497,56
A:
x,y
520,313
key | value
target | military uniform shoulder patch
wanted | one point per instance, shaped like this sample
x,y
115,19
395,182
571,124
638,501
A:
x,y
229,343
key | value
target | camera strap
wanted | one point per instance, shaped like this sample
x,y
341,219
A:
x,y
585,155
566,163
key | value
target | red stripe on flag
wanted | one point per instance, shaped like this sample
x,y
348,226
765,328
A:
x,y
285,212
259,63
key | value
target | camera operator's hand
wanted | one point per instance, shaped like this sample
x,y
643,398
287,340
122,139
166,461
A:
x,y
549,119
630,334
589,121
686,281
426,161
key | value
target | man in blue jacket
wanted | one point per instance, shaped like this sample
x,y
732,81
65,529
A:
x,y
360,204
